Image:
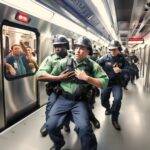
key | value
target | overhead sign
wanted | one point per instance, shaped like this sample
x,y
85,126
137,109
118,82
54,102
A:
x,y
135,40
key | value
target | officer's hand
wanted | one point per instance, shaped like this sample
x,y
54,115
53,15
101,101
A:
x,y
116,69
80,74
66,74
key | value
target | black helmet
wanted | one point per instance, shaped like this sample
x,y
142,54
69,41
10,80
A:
x,y
114,44
61,40
84,41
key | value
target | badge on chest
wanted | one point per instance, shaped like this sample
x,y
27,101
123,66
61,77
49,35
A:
x,y
108,64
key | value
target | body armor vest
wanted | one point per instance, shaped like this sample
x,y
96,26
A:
x,y
83,92
87,66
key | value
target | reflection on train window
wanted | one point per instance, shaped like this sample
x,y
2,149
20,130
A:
x,y
20,57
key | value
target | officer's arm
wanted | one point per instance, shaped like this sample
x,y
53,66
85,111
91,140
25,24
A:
x,y
45,68
101,60
100,75
50,77
58,73
94,81
126,66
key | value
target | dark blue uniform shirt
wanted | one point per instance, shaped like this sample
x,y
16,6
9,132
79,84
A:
x,y
108,62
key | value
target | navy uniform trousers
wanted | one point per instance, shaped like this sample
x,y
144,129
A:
x,y
51,100
117,94
80,117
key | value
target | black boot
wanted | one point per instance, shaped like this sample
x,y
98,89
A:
x,y
125,88
116,125
108,111
67,128
43,130
95,122
58,147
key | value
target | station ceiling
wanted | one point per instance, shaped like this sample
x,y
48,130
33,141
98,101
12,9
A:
x,y
132,16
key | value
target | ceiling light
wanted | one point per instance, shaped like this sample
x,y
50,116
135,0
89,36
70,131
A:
x,y
105,19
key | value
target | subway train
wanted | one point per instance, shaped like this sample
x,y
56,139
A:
x,y
22,96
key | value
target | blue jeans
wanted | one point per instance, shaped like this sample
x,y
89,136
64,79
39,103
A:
x,y
117,94
80,116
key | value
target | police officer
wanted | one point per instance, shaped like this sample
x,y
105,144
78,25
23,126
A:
x,y
94,93
61,45
134,68
73,96
127,74
95,54
133,57
114,64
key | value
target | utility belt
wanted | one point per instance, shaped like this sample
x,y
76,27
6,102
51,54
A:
x,y
115,81
73,97
58,91
53,87
69,96
81,94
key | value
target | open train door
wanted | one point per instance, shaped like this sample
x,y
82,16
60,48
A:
x,y
19,51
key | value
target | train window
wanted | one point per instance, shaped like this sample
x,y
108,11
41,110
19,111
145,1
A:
x,y
19,50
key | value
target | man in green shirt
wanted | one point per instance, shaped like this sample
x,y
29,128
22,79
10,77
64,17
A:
x,y
83,73
61,45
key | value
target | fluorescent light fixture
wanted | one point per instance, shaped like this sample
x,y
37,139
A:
x,y
67,24
104,17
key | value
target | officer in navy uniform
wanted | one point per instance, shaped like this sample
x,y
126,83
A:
x,y
95,54
115,65
61,45
127,74
74,91
135,70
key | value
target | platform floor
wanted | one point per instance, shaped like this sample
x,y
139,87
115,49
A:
x,y
134,119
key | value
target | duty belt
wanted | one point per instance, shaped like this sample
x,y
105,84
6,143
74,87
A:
x,y
71,97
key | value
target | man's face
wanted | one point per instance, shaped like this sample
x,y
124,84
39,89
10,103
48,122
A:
x,y
81,52
60,50
29,51
16,50
115,52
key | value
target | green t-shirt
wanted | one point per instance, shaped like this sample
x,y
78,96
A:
x,y
71,87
